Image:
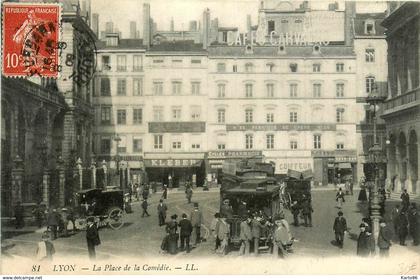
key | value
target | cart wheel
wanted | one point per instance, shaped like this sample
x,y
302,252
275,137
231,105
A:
x,y
115,218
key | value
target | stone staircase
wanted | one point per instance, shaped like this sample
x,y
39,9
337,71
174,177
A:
x,y
413,197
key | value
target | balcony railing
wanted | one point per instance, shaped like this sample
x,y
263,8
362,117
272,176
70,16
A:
x,y
412,96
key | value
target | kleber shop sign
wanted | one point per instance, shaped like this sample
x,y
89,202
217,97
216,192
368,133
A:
x,y
171,162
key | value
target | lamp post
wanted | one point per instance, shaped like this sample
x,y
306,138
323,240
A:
x,y
117,139
374,98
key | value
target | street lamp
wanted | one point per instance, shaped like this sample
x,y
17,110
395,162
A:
x,y
374,98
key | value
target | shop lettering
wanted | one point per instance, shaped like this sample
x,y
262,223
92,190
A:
x,y
173,162
276,39
281,127
234,154
295,166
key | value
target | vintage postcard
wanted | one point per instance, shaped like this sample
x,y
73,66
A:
x,y
204,137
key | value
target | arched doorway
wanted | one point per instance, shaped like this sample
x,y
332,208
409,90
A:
x,y
402,159
413,159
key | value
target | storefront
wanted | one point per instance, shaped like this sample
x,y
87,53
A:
x,y
334,166
215,161
176,170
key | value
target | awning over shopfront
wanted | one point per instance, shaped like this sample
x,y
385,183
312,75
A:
x,y
344,165
172,163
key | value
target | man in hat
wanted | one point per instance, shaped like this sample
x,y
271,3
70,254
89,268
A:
x,y
395,218
165,192
213,227
405,200
295,211
413,223
384,238
245,236
162,208
186,229
307,212
92,237
144,206
339,228
365,242
256,230
196,221
223,234
281,237
243,210
226,210
403,227
45,249
52,222
38,213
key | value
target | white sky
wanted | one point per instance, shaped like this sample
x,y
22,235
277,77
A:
x,y
229,12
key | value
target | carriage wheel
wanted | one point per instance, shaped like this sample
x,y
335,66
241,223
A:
x,y
115,218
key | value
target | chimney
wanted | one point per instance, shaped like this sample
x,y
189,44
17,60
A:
x,y
172,28
154,28
133,29
248,26
214,30
349,14
206,28
193,25
109,27
146,25
95,24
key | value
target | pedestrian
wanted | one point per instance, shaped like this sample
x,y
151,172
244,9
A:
x,y
295,211
245,236
162,208
226,210
65,222
186,229
127,204
403,227
243,209
281,238
382,198
45,249
165,192
413,223
213,227
384,238
307,212
405,200
351,186
365,242
92,237
395,218
52,222
19,212
172,232
138,192
339,228
144,206
196,221
145,192
339,197
362,194
368,224
38,214
189,193
71,216
256,229
223,233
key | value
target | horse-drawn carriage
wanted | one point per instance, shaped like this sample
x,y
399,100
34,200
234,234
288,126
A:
x,y
105,205
296,186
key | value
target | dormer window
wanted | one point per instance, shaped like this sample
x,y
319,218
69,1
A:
x,y
370,27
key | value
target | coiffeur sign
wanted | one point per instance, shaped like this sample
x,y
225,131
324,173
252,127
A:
x,y
298,164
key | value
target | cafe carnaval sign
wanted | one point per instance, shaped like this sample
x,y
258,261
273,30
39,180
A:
x,y
276,39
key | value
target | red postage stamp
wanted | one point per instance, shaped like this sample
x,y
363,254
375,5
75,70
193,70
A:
x,y
30,39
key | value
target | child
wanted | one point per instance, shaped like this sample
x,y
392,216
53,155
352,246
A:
x,y
45,250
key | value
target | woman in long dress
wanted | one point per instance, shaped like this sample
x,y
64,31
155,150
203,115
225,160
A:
x,y
171,230
362,194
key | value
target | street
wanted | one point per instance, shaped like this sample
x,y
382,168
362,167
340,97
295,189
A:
x,y
142,237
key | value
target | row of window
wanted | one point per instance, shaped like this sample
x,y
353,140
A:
x,y
137,63
137,116
293,116
249,143
176,61
106,144
137,86
270,90
249,67
176,87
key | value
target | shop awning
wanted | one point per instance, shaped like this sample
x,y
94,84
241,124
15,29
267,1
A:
x,y
172,163
344,165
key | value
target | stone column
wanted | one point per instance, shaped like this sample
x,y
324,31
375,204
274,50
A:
x,y
93,168
46,188
61,181
105,169
17,180
398,166
80,173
